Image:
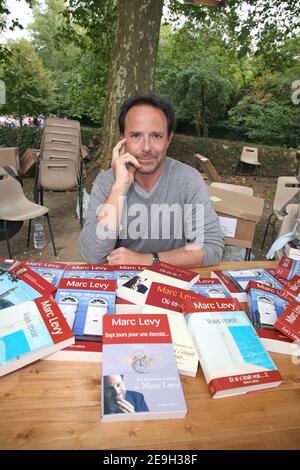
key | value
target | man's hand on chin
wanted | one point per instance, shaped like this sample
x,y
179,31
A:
x,y
124,256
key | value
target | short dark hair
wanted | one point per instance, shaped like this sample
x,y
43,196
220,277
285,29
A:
x,y
152,99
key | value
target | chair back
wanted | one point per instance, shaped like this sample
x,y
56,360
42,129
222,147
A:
x,y
250,155
61,130
11,194
287,187
234,187
9,156
58,175
63,123
289,219
61,138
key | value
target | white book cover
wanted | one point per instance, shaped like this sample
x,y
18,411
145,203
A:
x,y
232,357
30,331
165,299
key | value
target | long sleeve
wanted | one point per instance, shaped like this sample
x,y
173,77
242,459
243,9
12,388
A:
x,y
95,241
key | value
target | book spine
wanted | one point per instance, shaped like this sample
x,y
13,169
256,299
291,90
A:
x,y
244,380
288,332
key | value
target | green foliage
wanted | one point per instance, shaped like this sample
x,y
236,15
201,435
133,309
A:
x,y
225,154
23,138
196,71
28,83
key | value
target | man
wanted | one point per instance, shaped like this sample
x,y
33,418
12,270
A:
x,y
149,207
119,400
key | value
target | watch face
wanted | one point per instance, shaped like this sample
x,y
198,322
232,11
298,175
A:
x,y
140,362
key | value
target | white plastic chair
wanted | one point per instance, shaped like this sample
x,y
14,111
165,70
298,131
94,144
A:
x,y
14,206
287,192
250,157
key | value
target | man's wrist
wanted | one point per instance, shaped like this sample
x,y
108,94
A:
x,y
154,258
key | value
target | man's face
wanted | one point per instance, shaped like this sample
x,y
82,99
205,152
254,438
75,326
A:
x,y
115,389
147,139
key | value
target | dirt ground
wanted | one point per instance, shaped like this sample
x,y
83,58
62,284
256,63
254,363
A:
x,y
66,226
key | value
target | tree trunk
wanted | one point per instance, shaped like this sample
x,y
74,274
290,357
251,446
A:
x,y
132,63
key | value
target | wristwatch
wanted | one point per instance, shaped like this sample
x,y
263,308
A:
x,y
155,258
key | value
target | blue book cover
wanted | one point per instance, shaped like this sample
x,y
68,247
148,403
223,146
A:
x,y
14,290
242,277
265,306
84,302
210,287
89,271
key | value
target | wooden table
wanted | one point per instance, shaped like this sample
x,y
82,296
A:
x,y
56,405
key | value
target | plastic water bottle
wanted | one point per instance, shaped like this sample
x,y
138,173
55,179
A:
x,y
39,236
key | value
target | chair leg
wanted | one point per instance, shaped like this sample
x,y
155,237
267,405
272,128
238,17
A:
x,y
51,234
248,254
266,230
41,197
273,230
6,238
29,230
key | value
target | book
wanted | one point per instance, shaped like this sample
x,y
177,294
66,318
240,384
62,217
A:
x,y
210,287
84,302
289,321
136,289
288,268
122,274
292,249
52,272
236,281
86,271
291,289
232,357
6,264
167,299
140,379
20,284
265,306
30,331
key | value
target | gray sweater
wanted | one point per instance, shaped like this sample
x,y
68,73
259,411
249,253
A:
x,y
175,213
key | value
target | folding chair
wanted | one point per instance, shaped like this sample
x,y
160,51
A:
x,y
287,192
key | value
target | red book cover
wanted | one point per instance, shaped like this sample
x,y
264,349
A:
x,y
291,289
173,271
34,280
211,305
289,321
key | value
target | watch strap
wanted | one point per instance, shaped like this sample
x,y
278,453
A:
x,y
155,257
